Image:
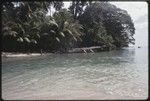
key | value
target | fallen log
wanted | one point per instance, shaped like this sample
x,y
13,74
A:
x,y
86,49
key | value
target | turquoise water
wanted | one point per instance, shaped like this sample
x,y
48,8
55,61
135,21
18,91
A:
x,y
118,74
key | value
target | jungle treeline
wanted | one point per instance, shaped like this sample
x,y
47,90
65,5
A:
x,y
32,26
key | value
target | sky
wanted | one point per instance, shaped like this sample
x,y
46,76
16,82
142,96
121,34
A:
x,y
139,14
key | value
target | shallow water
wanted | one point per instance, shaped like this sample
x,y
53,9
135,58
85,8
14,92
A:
x,y
118,74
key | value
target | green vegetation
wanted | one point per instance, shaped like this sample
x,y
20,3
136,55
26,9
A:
x,y
26,27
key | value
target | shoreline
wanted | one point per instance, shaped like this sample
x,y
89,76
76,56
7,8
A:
x,y
15,54
75,50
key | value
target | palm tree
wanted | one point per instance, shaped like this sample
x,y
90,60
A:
x,y
69,30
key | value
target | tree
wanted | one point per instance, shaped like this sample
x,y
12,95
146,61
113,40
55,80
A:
x,y
69,30
27,27
119,24
77,8
21,21
105,24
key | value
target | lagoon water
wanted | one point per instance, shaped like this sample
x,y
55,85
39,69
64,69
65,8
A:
x,y
118,74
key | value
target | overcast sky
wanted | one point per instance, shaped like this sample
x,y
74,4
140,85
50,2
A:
x,y
139,14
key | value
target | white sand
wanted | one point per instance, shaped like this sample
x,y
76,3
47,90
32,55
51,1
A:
x,y
20,54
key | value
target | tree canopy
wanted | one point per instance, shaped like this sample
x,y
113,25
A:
x,y
27,27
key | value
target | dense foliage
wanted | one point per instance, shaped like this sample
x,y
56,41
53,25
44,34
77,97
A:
x,y
27,27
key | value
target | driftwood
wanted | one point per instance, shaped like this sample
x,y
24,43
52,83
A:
x,y
86,49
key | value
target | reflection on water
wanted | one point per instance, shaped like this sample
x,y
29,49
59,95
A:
x,y
118,74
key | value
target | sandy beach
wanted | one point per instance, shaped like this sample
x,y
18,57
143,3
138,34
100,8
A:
x,y
7,54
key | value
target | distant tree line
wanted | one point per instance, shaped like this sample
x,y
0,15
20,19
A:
x,y
27,27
